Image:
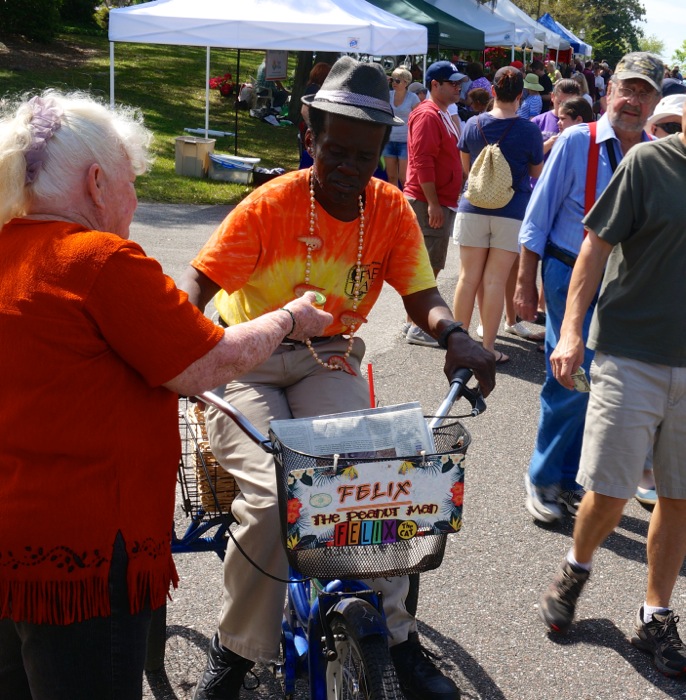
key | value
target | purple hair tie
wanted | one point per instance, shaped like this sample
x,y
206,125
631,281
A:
x,y
46,120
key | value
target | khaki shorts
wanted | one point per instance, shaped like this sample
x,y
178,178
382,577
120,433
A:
x,y
484,231
635,409
435,239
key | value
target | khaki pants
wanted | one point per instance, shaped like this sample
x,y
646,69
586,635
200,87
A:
x,y
289,385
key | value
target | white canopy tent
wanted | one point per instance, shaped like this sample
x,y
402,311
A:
x,y
542,36
497,30
506,25
293,25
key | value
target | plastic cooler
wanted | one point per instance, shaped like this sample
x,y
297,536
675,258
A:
x,y
231,168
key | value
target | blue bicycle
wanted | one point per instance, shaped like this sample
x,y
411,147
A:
x,y
334,629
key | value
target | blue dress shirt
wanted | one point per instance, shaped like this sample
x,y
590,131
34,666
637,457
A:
x,y
556,207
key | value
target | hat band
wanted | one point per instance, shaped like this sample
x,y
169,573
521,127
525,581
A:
x,y
352,98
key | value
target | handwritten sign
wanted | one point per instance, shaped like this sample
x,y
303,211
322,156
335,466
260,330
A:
x,y
378,502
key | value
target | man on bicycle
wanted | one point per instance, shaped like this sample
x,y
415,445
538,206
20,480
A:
x,y
334,230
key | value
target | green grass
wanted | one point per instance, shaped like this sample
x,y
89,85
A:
x,y
168,84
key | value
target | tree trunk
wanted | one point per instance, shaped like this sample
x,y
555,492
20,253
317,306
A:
x,y
302,73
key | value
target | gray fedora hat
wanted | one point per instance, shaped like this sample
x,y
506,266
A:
x,y
356,90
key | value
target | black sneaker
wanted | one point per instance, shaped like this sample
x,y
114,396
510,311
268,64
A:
x,y
660,638
223,676
418,675
571,499
558,603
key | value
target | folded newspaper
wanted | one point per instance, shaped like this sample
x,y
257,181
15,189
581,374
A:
x,y
374,479
389,431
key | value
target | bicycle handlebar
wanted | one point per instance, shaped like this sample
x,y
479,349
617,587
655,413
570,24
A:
x,y
458,388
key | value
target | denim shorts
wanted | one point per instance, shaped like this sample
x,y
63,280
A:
x,y
396,149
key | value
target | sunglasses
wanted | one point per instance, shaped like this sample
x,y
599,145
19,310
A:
x,y
397,81
670,127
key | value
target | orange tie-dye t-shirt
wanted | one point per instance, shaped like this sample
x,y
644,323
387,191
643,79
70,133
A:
x,y
258,258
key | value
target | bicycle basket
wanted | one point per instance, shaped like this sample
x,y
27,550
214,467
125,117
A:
x,y
369,542
206,487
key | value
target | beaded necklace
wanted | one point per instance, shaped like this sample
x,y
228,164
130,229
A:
x,y
313,243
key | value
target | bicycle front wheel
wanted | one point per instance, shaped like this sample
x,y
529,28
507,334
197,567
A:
x,y
363,669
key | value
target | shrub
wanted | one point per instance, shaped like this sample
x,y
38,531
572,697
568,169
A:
x,y
80,11
102,17
38,20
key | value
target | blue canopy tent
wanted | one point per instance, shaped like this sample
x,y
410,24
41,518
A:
x,y
577,45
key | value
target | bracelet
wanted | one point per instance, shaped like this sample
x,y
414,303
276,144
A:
x,y
290,313
454,327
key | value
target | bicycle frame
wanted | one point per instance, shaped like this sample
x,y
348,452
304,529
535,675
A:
x,y
307,638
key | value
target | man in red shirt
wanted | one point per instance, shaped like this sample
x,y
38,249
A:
x,y
434,172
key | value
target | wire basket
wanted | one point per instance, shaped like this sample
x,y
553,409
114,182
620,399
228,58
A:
x,y
206,488
414,555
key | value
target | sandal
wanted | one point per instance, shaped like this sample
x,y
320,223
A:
x,y
501,358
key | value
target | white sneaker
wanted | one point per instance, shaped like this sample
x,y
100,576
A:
x,y
541,501
416,336
519,329
480,331
404,328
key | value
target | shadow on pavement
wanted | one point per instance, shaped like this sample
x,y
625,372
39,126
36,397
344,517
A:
x,y
459,662
603,632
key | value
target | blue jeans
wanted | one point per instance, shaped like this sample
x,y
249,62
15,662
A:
x,y
563,412
100,658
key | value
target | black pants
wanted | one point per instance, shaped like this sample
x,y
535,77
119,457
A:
x,y
101,658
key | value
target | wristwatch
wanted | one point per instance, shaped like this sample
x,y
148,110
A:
x,y
454,327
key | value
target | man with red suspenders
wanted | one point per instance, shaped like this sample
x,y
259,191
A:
x,y
552,231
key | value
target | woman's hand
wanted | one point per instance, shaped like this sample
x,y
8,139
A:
x,y
310,321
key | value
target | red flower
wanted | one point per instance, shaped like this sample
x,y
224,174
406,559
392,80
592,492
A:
x,y
294,508
223,83
458,493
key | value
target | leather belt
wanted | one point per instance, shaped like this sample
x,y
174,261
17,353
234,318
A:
x,y
314,341
562,255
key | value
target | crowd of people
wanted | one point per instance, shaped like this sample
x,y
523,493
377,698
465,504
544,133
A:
x,y
589,201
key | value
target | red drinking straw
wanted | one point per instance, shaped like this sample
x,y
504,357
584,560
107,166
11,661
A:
x,y
370,379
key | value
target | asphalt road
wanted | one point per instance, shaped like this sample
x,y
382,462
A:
x,y
479,610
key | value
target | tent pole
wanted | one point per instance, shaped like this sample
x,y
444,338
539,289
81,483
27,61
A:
x,y
235,116
111,75
207,93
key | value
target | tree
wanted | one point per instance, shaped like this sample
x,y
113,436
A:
x,y
612,27
652,44
680,54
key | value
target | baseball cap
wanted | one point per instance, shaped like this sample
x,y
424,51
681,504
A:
x,y
672,106
517,64
643,65
670,86
416,87
443,70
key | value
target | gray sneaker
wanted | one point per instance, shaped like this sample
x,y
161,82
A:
x,y
558,603
571,499
416,336
542,501
660,638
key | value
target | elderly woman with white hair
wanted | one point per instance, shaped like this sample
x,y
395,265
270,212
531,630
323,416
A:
x,y
403,102
97,343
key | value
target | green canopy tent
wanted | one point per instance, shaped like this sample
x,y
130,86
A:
x,y
444,30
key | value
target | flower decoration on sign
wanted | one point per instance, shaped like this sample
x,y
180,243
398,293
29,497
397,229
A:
x,y
457,491
223,83
294,508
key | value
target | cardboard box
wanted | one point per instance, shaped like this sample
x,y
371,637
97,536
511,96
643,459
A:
x,y
192,155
